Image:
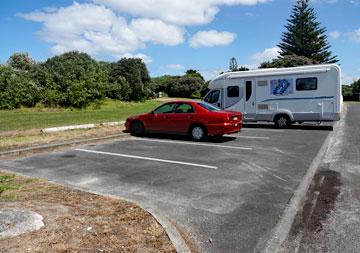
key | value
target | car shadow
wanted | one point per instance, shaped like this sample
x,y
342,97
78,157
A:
x,y
211,139
304,126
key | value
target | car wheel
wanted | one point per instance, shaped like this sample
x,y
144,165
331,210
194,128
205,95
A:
x,y
137,128
198,133
282,121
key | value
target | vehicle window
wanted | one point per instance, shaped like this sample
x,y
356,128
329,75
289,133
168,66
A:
x,y
184,108
213,97
209,107
166,108
248,85
233,91
306,83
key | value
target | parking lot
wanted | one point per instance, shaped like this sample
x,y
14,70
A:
x,y
228,193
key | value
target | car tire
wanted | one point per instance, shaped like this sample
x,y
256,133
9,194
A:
x,y
198,133
282,121
137,128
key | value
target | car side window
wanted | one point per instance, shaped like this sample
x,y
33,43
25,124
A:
x,y
167,108
184,108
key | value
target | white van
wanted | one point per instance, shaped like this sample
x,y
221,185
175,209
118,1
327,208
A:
x,y
282,96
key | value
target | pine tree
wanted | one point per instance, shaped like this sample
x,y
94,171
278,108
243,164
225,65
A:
x,y
233,64
304,36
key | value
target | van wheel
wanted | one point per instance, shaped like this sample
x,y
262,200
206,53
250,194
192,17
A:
x,y
137,128
198,133
282,121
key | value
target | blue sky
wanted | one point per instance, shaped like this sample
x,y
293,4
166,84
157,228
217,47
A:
x,y
172,35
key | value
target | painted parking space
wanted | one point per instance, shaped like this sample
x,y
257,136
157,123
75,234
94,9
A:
x,y
230,190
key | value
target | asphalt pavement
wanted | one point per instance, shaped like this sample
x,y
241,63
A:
x,y
227,193
340,231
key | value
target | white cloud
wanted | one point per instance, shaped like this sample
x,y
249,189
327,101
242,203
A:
x,y
211,38
266,55
335,34
96,29
156,31
355,36
144,57
180,12
175,66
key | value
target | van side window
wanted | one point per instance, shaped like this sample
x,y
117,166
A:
x,y
306,83
233,91
213,97
248,85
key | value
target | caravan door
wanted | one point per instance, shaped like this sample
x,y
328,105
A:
x,y
214,97
250,98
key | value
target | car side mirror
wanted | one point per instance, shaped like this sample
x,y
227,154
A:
x,y
152,112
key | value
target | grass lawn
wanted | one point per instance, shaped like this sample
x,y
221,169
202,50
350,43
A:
x,y
36,118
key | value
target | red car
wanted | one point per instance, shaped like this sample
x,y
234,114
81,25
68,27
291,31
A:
x,y
195,118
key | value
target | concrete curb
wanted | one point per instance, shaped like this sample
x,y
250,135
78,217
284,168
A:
x,y
283,227
47,147
176,239
74,127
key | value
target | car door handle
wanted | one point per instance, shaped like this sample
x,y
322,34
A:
x,y
189,117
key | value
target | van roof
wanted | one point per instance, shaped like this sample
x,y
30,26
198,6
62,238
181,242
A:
x,y
279,71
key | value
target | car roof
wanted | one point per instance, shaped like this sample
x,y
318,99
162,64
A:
x,y
183,101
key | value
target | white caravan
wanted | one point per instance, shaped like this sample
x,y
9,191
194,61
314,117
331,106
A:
x,y
282,96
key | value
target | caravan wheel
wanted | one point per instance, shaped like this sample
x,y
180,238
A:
x,y
282,121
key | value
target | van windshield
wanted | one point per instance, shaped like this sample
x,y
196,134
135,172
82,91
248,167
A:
x,y
209,107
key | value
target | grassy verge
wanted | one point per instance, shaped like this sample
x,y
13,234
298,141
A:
x,y
77,221
36,118
28,138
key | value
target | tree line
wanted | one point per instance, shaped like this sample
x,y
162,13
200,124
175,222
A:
x,y
351,92
75,79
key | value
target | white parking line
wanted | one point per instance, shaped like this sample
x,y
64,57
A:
x,y
261,129
147,158
192,143
248,137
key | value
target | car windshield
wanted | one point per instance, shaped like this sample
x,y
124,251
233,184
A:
x,y
209,107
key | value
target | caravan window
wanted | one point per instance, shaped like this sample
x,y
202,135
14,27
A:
x,y
248,85
306,83
233,91
212,97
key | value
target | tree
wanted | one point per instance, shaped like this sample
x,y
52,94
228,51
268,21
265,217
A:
x,y
21,61
304,36
78,79
287,61
242,68
194,73
185,87
17,89
233,66
135,73
355,87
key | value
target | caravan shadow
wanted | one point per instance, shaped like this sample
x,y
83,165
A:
x,y
304,126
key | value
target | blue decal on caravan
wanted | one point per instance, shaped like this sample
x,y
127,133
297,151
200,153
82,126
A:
x,y
282,87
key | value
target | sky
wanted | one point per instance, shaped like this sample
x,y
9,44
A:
x,y
172,36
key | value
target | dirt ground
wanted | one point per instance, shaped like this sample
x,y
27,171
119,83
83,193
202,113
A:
x,y
19,139
77,221
319,204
